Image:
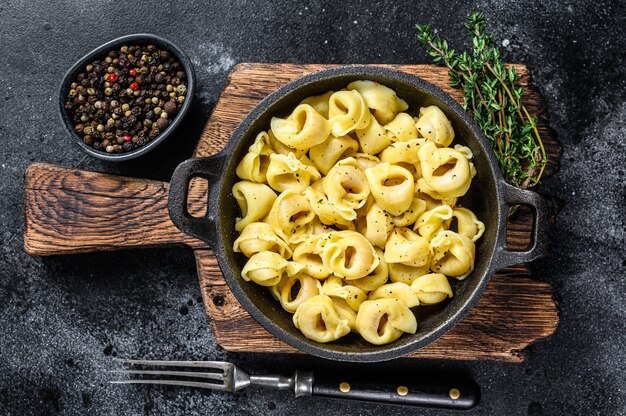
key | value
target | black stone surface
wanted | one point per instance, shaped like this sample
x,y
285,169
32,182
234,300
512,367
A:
x,y
63,318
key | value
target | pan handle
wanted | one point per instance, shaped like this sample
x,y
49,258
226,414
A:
x,y
504,257
209,168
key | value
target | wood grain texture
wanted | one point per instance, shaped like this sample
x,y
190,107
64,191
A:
x,y
71,211
74,211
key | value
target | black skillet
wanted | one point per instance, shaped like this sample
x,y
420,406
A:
x,y
489,197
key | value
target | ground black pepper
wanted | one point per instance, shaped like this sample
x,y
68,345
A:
x,y
126,99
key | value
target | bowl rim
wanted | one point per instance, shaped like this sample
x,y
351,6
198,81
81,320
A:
x,y
224,157
77,67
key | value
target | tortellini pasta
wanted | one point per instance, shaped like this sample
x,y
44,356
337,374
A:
x,y
381,100
348,255
289,172
267,268
325,155
432,288
453,254
401,128
289,215
319,320
397,290
446,171
254,199
309,255
432,221
382,321
435,126
351,213
373,139
392,187
352,295
253,166
303,129
259,236
347,112
346,186
307,288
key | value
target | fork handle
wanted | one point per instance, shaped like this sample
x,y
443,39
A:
x,y
437,394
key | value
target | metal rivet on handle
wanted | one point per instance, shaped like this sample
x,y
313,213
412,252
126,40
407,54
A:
x,y
402,390
454,394
344,387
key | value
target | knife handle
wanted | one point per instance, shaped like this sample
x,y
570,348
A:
x,y
460,395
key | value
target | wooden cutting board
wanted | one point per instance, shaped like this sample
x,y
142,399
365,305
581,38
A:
x,y
74,211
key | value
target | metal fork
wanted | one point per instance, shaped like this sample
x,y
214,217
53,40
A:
x,y
228,377
225,376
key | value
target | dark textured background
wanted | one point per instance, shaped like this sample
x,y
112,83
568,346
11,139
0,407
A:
x,y
63,318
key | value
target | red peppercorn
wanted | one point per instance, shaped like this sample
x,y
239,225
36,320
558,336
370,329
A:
x,y
112,77
134,86
132,73
127,138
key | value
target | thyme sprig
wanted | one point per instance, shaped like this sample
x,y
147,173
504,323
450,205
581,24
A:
x,y
493,96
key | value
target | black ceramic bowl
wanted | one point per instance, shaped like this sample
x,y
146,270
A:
x,y
489,197
100,52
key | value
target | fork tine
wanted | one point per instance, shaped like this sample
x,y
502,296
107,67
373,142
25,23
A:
x,y
181,383
221,365
211,376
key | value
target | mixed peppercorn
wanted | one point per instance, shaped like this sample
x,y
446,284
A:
x,y
123,101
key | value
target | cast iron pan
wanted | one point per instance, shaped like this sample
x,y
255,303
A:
x,y
489,197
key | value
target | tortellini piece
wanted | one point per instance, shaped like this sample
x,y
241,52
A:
x,y
318,319
346,186
345,312
432,288
307,288
408,217
404,154
366,160
382,321
347,112
376,225
381,100
303,129
280,148
401,128
254,199
433,221
325,155
435,126
467,223
257,237
267,268
453,254
319,103
253,166
289,215
446,171
327,212
376,278
352,295
308,254
392,187
351,213
373,139
406,247
402,273
397,290
348,255
288,172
